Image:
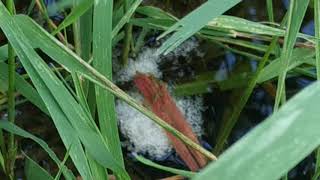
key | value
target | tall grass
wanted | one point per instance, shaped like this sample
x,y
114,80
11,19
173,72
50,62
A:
x,y
93,143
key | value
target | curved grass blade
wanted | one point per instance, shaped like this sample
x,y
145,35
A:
x,y
126,17
102,61
23,87
74,15
12,128
296,14
276,145
299,56
34,171
194,21
62,105
188,174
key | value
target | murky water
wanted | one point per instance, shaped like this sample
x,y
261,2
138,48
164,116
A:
x,y
184,69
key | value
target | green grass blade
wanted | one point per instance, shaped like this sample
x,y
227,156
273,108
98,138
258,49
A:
x,y
34,171
276,145
222,26
229,124
296,14
147,162
194,21
66,156
317,35
155,13
299,56
317,50
102,61
60,104
12,128
270,10
74,15
126,17
3,53
2,162
23,87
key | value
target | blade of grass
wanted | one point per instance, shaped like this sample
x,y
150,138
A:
x,y
188,174
270,10
222,26
62,104
63,126
34,171
296,14
2,164
126,17
194,21
102,61
225,130
42,8
298,57
3,53
128,36
279,142
74,15
23,87
12,128
317,50
66,156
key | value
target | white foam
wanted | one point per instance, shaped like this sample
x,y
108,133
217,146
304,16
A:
x,y
145,136
148,61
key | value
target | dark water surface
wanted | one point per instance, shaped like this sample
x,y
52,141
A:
x,y
218,102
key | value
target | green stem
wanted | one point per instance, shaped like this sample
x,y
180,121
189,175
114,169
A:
x,y
127,38
230,123
270,10
10,158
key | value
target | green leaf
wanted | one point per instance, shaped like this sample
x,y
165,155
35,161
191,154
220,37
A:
x,y
23,87
62,106
147,162
194,21
102,61
12,128
155,13
2,162
34,171
274,146
3,53
299,56
297,11
74,15
126,17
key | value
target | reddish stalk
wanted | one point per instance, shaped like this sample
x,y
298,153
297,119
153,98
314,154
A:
x,y
156,95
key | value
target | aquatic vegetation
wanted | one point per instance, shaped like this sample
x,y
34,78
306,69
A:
x,y
131,89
